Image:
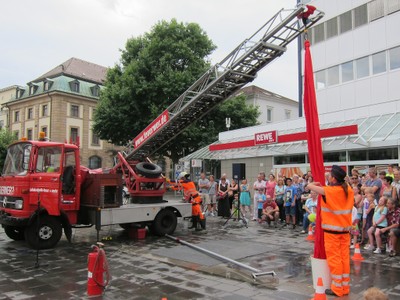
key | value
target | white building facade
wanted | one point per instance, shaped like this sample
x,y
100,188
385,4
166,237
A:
x,y
356,58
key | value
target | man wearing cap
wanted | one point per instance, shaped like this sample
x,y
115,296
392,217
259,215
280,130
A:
x,y
191,195
336,208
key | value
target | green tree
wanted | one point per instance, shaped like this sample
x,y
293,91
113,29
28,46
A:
x,y
6,138
155,70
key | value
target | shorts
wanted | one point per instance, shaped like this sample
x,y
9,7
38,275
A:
x,y
396,232
205,198
290,210
213,198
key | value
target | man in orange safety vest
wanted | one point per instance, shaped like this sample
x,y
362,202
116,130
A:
x,y
336,209
191,195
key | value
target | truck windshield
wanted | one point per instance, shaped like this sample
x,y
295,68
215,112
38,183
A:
x,y
17,160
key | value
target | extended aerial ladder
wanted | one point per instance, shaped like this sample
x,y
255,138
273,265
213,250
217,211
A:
x,y
219,83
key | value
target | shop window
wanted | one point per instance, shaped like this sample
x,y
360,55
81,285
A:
x,y
290,159
357,155
335,156
382,154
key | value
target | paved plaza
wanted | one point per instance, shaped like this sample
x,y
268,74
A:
x,y
156,267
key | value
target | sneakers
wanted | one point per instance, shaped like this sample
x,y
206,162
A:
x,y
369,247
378,251
303,231
352,247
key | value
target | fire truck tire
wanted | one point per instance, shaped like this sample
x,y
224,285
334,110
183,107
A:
x,y
44,235
148,170
15,233
164,223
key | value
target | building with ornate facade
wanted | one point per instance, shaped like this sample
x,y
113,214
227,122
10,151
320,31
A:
x,y
62,103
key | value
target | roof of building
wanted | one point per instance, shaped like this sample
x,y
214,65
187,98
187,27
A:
x,y
9,88
79,69
59,84
374,131
256,90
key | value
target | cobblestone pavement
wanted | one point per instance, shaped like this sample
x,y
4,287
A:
x,y
155,267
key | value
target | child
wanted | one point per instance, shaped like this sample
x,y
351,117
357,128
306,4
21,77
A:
x,y
354,229
260,198
368,212
245,199
379,222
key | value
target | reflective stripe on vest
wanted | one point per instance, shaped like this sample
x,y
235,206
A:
x,y
337,212
335,228
339,277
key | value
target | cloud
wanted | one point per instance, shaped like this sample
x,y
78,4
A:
x,y
39,35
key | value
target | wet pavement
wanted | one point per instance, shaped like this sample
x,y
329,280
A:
x,y
156,268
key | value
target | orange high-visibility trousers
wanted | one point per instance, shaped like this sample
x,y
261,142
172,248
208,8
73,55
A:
x,y
337,248
196,208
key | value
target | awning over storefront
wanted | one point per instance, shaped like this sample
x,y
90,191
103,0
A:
x,y
373,132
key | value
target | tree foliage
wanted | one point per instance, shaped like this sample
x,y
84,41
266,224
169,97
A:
x,y
156,69
6,138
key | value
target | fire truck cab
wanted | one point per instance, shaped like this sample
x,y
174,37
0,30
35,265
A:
x,y
40,186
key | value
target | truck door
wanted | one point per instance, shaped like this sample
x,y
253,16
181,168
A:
x,y
45,179
69,179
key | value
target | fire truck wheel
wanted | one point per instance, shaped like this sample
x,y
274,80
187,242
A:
x,y
164,223
148,170
44,235
14,233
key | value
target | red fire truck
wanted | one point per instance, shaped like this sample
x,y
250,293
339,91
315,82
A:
x,y
44,189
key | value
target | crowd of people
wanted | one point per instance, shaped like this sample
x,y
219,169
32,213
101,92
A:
x,y
288,203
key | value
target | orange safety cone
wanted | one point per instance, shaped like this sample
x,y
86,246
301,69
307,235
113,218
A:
x,y
357,266
320,291
310,237
357,253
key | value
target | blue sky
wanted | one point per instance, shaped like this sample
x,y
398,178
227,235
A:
x,y
39,35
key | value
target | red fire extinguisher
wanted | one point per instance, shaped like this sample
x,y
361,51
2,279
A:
x,y
98,273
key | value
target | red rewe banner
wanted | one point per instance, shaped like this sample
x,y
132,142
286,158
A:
x,y
150,130
268,137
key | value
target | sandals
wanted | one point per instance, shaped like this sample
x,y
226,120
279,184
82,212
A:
x,y
392,254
